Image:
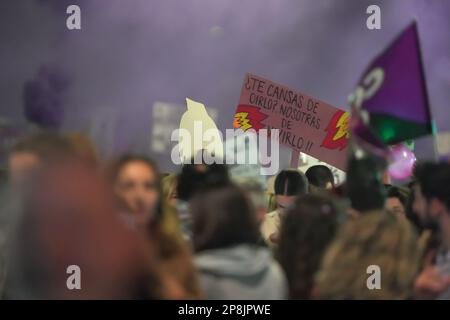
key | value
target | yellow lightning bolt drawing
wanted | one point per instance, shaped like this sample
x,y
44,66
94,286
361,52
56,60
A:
x,y
342,125
241,121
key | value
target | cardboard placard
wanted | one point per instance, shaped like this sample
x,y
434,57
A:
x,y
306,124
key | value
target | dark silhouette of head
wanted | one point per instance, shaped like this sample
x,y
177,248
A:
x,y
195,178
223,217
289,184
320,176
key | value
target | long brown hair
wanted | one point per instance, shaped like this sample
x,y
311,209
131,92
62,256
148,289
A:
x,y
307,229
222,218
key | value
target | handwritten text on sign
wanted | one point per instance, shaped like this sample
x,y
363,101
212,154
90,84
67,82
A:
x,y
306,124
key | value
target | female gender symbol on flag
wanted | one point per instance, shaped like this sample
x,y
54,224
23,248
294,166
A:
x,y
393,92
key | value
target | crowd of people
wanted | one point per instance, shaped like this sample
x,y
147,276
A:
x,y
199,233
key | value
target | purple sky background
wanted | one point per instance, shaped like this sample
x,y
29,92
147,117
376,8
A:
x,y
132,53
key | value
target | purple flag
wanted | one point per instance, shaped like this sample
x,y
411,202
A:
x,y
393,91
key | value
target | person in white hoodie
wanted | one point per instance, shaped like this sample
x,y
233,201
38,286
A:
x,y
230,261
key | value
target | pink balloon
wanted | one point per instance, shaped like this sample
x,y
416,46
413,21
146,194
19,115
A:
x,y
402,161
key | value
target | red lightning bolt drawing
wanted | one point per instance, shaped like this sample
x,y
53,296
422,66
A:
x,y
337,131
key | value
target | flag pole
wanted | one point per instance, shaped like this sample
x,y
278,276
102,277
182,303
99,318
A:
x,y
435,148
422,74
295,155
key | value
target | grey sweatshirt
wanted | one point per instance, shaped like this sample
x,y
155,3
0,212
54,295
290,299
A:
x,y
241,272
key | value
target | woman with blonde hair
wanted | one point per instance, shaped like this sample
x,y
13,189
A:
x,y
374,240
169,185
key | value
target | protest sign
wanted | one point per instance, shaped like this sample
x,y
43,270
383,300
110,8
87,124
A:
x,y
166,119
198,132
306,124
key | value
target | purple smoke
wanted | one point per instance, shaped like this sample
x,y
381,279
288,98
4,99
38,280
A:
x,y
44,97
